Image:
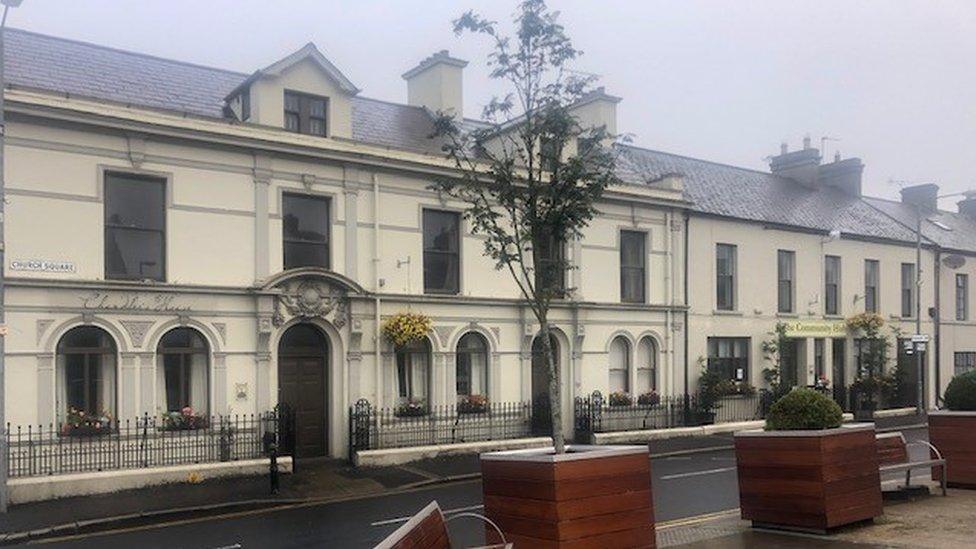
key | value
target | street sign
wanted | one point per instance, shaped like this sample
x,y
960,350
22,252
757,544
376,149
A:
x,y
920,338
920,346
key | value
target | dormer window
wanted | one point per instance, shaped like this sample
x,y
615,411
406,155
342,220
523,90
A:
x,y
305,113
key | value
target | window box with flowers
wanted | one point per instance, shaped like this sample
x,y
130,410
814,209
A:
x,y
650,398
472,404
411,408
184,420
81,423
620,398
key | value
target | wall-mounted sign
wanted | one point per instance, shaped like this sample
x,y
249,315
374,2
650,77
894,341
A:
x,y
816,328
126,301
42,265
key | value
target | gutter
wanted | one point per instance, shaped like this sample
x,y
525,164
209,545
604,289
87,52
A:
x,y
937,327
686,303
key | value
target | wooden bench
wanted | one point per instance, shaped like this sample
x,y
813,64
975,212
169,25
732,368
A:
x,y
893,457
428,530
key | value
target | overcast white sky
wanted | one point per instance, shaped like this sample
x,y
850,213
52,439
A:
x,y
895,81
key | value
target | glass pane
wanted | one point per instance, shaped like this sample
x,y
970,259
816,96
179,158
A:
x,y
133,253
133,201
86,337
618,381
173,374
440,231
302,336
74,370
305,217
291,122
463,374
291,102
631,249
300,254
316,107
440,272
316,126
632,285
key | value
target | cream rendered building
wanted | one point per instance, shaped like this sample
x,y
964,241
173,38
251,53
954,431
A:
x,y
155,205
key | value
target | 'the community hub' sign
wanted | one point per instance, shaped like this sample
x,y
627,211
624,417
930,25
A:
x,y
816,328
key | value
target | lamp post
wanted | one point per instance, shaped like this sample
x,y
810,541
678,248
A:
x,y
7,4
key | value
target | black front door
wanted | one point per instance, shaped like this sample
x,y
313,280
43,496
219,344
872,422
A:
x,y
541,415
788,355
302,367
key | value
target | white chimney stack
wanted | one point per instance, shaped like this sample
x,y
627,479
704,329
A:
x,y
437,84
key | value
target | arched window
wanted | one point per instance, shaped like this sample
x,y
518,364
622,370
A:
x,y
413,371
86,373
182,372
472,366
646,378
619,365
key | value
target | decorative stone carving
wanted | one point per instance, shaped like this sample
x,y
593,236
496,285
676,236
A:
x,y
137,330
444,334
221,328
307,298
42,326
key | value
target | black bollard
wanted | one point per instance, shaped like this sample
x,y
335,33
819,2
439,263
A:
x,y
274,468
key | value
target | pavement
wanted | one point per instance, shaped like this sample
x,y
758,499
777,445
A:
x,y
331,500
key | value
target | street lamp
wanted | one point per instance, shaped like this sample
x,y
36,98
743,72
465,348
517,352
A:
x,y
7,4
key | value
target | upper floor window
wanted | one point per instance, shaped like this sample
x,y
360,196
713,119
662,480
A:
x,y
729,357
907,290
725,276
632,266
442,263
305,223
872,277
646,376
962,297
550,266
831,285
785,267
135,227
305,113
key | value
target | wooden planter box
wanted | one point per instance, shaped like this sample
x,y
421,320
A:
x,y
589,497
954,435
808,480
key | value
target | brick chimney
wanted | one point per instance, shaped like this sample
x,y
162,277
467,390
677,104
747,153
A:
x,y
925,196
436,83
967,206
804,167
801,165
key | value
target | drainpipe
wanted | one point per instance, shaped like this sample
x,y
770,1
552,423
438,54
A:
x,y
377,354
687,326
937,326
669,299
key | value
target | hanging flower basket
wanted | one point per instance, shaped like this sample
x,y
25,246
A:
x,y
404,328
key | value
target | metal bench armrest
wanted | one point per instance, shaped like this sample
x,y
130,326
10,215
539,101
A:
x,y
926,443
482,517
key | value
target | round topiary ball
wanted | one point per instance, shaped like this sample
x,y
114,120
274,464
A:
x,y
960,395
803,409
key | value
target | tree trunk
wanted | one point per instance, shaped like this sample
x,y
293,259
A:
x,y
555,402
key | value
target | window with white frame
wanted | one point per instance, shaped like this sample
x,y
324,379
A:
x,y
632,245
86,375
471,375
725,260
729,357
872,277
645,380
182,372
305,226
962,297
135,227
785,268
964,362
619,365
832,285
413,372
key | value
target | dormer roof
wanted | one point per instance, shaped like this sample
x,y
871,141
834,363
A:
x,y
308,51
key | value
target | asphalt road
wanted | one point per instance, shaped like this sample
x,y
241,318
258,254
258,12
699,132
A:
x,y
683,487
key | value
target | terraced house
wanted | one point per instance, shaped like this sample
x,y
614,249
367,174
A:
x,y
185,242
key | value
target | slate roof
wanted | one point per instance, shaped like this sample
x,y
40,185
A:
x,y
49,63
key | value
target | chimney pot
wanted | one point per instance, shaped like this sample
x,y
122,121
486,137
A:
x,y
967,206
806,142
837,156
784,148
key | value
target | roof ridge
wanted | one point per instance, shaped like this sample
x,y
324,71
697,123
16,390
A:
x,y
127,52
712,162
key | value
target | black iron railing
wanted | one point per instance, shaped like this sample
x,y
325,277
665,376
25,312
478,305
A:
x,y
373,428
143,442
597,414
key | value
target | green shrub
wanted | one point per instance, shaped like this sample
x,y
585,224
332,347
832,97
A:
x,y
960,395
803,409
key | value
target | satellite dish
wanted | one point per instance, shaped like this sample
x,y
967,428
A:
x,y
953,261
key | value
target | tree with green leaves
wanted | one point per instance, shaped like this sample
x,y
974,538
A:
x,y
530,175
